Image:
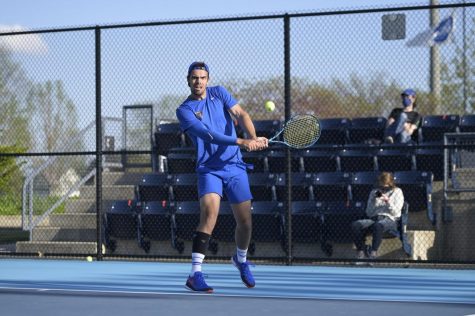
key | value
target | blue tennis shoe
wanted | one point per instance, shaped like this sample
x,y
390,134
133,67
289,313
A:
x,y
197,283
246,275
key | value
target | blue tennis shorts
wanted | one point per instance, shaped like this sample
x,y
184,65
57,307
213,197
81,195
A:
x,y
234,182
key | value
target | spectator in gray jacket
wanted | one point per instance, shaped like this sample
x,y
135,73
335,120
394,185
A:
x,y
383,212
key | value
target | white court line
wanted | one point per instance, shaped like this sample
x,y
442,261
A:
x,y
111,292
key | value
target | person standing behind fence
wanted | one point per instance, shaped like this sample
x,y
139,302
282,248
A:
x,y
207,116
403,122
383,212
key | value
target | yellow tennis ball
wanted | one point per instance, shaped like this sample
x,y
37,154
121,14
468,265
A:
x,y
270,106
89,259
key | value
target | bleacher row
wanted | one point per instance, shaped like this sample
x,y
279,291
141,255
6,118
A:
x,y
336,131
331,182
165,207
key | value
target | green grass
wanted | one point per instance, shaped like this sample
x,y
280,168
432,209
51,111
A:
x,y
12,204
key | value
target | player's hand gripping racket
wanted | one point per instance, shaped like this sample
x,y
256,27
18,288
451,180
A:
x,y
299,132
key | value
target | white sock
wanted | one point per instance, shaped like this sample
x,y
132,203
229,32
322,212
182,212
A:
x,y
196,261
241,255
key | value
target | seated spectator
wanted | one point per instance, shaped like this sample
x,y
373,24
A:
x,y
383,212
402,122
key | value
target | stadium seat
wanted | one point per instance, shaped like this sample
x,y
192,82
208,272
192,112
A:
x,y
359,159
277,160
187,218
417,189
334,131
434,127
155,221
366,130
168,135
267,128
332,186
337,218
268,223
467,123
181,162
397,157
431,159
302,186
306,221
362,183
258,159
185,187
154,187
120,222
319,160
263,186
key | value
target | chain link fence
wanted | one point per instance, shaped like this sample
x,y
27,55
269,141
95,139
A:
x,y
127,187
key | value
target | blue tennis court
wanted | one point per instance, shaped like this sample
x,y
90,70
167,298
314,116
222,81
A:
x,y
58,287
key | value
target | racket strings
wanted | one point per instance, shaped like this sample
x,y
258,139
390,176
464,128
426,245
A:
x,y
302,131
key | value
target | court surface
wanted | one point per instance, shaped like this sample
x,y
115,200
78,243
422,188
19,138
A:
x,y
69,287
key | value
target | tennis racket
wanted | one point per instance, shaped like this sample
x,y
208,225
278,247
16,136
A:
x,y
300,131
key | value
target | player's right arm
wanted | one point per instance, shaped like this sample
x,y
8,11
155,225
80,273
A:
x,y
189,123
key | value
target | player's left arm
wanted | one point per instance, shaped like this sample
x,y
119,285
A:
x,y
244,120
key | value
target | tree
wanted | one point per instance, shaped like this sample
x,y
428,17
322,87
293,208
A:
x,y
55,119
14,87
54,115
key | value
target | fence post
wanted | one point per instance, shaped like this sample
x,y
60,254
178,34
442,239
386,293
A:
x,y
287,96
98,144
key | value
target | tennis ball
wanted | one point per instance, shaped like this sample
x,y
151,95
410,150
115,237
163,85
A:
x,y
270,106
89,259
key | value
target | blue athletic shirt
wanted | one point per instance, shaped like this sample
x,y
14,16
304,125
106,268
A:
x,y
213,114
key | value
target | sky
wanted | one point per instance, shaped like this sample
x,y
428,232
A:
x,y
36,14
323,48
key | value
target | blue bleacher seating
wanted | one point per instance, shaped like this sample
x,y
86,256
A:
x,y
467,123
337,218
263,186
358,159
334,131
306,221
185,187
431,159
319,160
332,186
417,190
397,157
277,160
155,220
268,222
168,135
154,187
366,129
302,186
181,162
258,159
362,183
187,218
120,222
433,127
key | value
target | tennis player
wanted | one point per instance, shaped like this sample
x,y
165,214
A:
x,y
207,116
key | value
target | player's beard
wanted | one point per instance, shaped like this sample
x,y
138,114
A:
x,y
198,91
